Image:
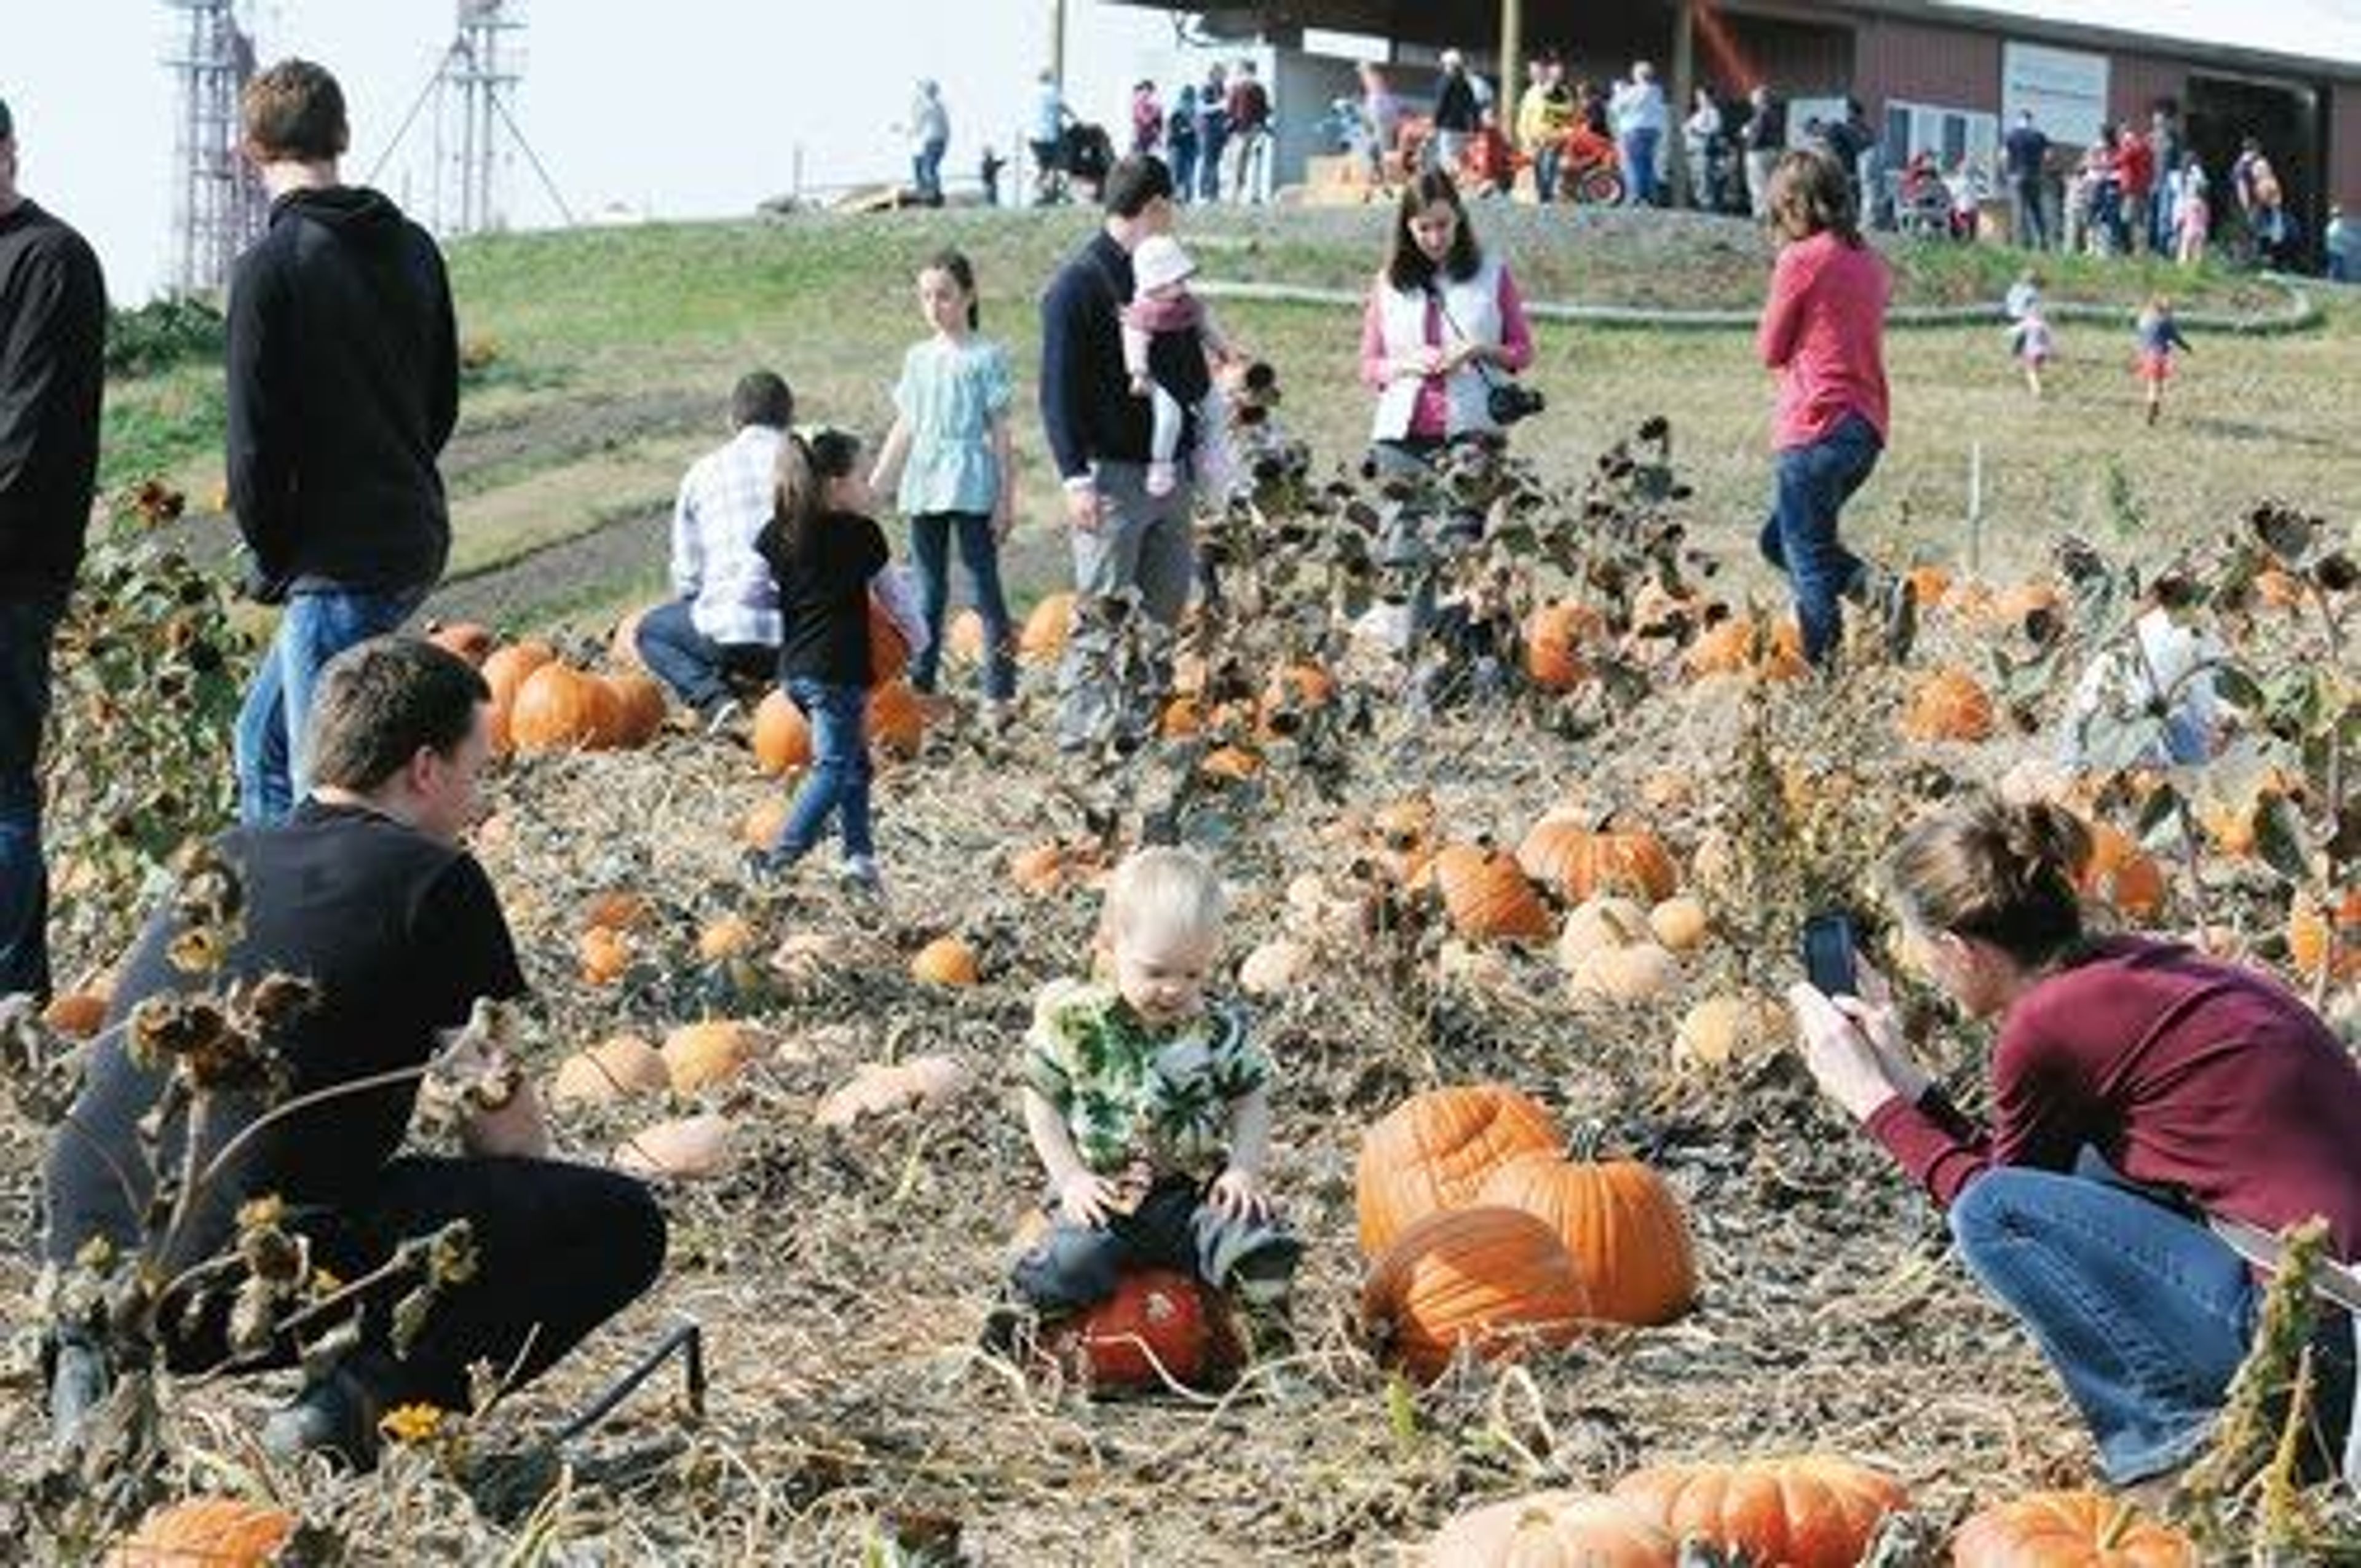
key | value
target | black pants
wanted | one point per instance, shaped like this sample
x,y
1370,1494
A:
x,y
559,1248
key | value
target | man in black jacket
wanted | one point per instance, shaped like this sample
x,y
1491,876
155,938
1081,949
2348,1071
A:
x,y
1124,538
52,334
344,384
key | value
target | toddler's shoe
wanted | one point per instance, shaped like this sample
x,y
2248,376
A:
x,y
335,1416
1161,478
860,875
766,870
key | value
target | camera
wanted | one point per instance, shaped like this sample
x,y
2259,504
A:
x,y
1508,402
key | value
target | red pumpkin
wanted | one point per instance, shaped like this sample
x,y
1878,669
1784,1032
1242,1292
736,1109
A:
x,y
1812,1511
2083,1530
1155,1318
1435,1151
1489,1278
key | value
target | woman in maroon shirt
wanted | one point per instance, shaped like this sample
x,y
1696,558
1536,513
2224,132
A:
x,y
2137,1088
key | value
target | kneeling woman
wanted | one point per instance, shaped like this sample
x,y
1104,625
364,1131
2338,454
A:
x,y
2137,1088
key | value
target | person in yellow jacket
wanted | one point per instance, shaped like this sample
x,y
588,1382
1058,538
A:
x,y
1543,115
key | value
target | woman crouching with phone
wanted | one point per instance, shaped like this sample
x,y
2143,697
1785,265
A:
x,y
2138,1089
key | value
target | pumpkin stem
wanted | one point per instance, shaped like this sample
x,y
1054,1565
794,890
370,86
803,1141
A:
x,y
2119,1526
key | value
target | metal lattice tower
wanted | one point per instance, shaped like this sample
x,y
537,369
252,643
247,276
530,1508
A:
x,y
478,87
219,207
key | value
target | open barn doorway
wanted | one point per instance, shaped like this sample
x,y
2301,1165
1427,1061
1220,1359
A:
x,y
2222,111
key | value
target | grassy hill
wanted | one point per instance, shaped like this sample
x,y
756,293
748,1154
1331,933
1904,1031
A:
x,y
608,355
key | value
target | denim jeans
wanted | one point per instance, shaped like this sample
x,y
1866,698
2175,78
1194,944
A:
x,y
926,171
693,665
274,768
1638,152
1547,158
1174,1227
1211,151
838,780
930,547
2142,1311
28,627
2028,224
1813,483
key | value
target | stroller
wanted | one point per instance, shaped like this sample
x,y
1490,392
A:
x,y
1084,155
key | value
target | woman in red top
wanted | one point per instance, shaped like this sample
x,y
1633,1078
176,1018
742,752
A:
x,y
1823,332
2137,1088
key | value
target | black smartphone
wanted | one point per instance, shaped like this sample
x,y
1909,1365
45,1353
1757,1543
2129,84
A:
x,y
1829,942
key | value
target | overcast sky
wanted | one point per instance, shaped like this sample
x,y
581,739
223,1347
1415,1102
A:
x,y
696,109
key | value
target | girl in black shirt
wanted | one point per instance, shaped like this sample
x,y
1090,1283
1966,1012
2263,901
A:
x,y
823,550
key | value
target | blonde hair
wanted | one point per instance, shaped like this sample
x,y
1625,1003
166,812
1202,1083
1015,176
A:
x,y
2002,874
1165,892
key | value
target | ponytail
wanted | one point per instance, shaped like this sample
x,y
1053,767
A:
x,y
2006,874
806,463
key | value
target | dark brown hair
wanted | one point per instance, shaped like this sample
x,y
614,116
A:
x,y
954,264
2002,874
1407,267
1810,193
294,111
761,397
807,463
379,702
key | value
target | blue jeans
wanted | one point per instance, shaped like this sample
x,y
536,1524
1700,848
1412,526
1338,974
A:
x,y
28,627
274,768
1074,1267
1639,151
693,665
1813,483
2143,1312
838,780
927,169
1183,155
1209,163
1546,162
930,547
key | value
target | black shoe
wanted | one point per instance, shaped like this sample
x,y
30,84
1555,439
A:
x,y
1009,1331
78,1385
335,1416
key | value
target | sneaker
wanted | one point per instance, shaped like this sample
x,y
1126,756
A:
x,y
1009,1332
724,716
335,1416
860,875
1163,479
999,714
78,1385
766,869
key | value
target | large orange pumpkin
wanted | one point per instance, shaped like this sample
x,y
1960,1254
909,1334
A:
x,y
1620,1223
1487,894
2069,1529
1435,1151
1578,861
559,706
2121,873
1044,635
505,669
1554,636
1552,1530
639,708
220,1532
1950,705
898,724
1810,1511
1490,1279
1155,1318
783,736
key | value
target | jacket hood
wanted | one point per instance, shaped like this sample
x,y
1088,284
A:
x,y
357,212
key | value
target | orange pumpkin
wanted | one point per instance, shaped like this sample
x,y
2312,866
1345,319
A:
x,y
1487,894
1554,636
963,639
698,1055
889,651
559,706
1038,869
946,960
1234,765
605,953
1569,856
1292,690
1739,646
2277,587
765,821
76,1015
2313,942
1928,585
1552,1530
623,647
2121,873
1435,1151
1618,1221
1490,1279
505,671
782,735
1157,1318
616,908
2010,608
1950,705
617,1067
2087,1529
220,1532
896,721
464,638
1812,1511
1044,636
639,708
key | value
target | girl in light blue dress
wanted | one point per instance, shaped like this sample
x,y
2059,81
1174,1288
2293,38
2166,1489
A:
x,y
949,465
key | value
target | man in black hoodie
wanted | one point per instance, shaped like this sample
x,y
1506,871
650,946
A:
x,y
344,384
52,334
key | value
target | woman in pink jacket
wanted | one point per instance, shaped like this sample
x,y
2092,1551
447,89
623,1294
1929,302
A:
x,y
1823,333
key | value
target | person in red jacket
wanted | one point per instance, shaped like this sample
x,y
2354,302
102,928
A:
x,y
2138,1089
1823,334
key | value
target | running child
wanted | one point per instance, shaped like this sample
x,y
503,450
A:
x,y
2156,337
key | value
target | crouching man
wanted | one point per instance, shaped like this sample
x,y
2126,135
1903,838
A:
x,y
365,894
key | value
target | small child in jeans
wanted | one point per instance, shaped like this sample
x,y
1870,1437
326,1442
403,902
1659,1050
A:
x,y
1162,308
1150,1110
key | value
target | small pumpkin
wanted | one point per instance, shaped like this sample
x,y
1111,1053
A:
x,y
1950,705
2011,609
76,1015
471,641
616,908
1275,968
2121,873
1680,924
1622,1223
2083,1529
1740,645
1927,585
505,672
1565,852
1487,895
1601,924
1435,1150
1489,1278
1811,1511
221,1532
725,937
783,736
686,1148
1552,1530
1233,764
1292,690
1038,870
897,721
2314,942
1555,635
1046,629
878,1088
698,1056
946,961
963,638
605,953
765,821
1157,1324
1723,1030
615,1069
559,706
1637,971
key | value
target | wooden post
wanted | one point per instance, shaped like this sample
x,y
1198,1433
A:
x,y
1511,85
1680,89
1976,508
